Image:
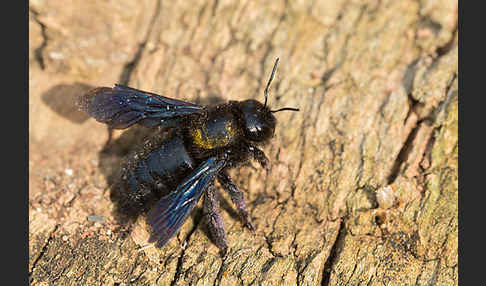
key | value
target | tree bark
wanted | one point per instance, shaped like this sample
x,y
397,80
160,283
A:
x,y
362,188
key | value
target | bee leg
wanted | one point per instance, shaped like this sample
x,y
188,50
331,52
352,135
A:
x,y
214,220
237,197
260,157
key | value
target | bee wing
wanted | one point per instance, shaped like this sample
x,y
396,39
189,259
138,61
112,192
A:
x,y
120,107
170,212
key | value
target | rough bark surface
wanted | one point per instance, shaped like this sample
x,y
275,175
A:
x,y
363,183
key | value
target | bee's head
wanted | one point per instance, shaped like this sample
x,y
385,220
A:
x,y
258,120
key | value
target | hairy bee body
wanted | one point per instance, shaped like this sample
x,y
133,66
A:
x,y
157,169
144,179
166,178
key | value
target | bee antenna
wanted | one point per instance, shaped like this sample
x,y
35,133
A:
x,y
269,81
285,108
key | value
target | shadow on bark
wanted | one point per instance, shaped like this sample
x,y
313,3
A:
x,y
62,100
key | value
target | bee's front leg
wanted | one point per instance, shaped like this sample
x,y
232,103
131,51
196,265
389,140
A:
x,y
259,156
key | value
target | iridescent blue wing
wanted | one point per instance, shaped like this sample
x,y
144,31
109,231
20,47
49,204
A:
x,y
170,212
121,106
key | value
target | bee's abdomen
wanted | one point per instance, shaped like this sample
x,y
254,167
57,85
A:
x,y
145,180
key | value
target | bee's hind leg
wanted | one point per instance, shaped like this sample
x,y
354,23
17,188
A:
x,y
214,220
237,197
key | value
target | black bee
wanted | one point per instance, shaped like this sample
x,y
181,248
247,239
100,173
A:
x,y
167,179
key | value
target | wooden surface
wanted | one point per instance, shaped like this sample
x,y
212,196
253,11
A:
x,y
363,182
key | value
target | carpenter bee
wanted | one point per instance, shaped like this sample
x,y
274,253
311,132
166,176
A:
x,y
168,178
